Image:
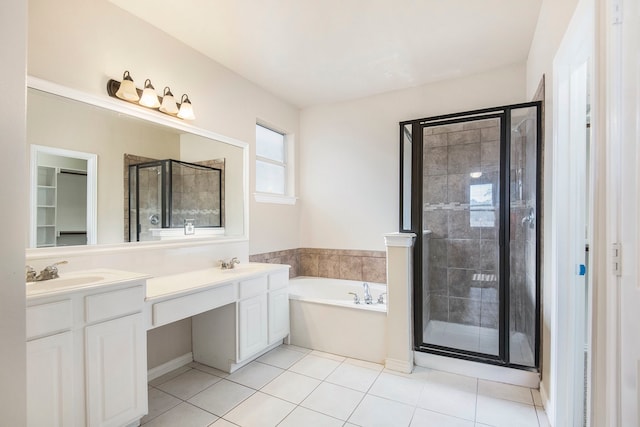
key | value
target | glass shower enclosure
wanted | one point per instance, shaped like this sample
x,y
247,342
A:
x,y
469,190
173,194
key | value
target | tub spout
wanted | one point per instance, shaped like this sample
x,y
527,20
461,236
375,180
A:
x,y
356,299
368,299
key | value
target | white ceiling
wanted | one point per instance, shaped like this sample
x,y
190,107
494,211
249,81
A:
x,y
310,52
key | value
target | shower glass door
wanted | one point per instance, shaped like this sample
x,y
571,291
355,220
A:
x,y
461,200
474,209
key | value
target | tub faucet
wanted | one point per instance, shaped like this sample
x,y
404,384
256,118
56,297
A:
x,y
228,265
30,274
356,299
50,272
368,299
381,298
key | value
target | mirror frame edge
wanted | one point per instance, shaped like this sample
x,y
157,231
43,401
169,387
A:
x,y
160,119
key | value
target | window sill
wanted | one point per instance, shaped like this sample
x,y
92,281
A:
x,y
275,198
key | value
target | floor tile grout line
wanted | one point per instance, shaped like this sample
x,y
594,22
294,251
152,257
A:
x,y
342,362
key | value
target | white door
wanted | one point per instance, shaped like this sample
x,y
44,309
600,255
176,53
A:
x,y
571,314
278,314
50,381
628,232
116,367
252,325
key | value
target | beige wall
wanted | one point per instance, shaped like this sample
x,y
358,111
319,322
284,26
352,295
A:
x,y
82,44
13,29
349,162
552,24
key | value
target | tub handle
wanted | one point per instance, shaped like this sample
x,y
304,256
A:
x,y
356,298
381,298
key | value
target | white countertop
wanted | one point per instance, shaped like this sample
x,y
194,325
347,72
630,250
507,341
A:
x,y
80,280
184,283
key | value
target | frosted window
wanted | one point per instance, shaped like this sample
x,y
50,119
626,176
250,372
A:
x,y
269,144
481,209
271,167
269,178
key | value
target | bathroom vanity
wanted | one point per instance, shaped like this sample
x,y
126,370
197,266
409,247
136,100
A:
x,y
86,334
86,349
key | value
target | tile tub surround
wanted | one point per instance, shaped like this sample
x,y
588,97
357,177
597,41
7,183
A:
x,y
361,265
293,386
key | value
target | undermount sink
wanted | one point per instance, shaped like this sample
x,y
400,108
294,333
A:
x,y
62,283
243,268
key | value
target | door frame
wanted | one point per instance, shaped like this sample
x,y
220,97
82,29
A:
x,y
415,225
576,49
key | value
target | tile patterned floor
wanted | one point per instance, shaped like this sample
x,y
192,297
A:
x,y
295,387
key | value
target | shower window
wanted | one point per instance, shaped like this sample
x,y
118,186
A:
x,y
473,206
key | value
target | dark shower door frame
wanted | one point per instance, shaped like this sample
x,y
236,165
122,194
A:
x,y
166,195
415,205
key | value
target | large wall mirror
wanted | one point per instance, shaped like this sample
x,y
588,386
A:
x,y
70,138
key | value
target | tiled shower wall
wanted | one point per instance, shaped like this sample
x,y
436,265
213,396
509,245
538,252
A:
x,y
461,277
366,266
190,192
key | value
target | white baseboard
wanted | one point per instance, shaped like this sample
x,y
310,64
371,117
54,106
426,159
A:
x,y
169,366
548,407
478,370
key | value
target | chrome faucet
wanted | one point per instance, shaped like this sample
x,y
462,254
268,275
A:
x,y
228,265
381,298
356,298
50,272
30,274
368,299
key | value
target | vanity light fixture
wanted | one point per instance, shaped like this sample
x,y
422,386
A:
x,y
475,174
168,102
149,96
186,109
127,91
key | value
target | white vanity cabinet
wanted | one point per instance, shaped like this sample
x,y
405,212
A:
x,y
86,356
229,337
115,357
50,364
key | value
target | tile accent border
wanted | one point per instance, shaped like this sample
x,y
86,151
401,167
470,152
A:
x,y
361,265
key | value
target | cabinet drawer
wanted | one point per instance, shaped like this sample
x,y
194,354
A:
x,y
251,287
278,280
189,305
114,304
46,319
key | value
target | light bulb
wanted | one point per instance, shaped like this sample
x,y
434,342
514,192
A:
x,y
127,89
149,96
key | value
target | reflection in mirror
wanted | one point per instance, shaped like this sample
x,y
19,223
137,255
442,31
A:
x,y
407,158
165,195
58,122
63,203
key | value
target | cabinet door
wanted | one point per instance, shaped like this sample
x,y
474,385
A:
x,y
252,325
116,367
50,381
278,315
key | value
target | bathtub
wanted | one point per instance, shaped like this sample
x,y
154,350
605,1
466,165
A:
x,y
325,318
